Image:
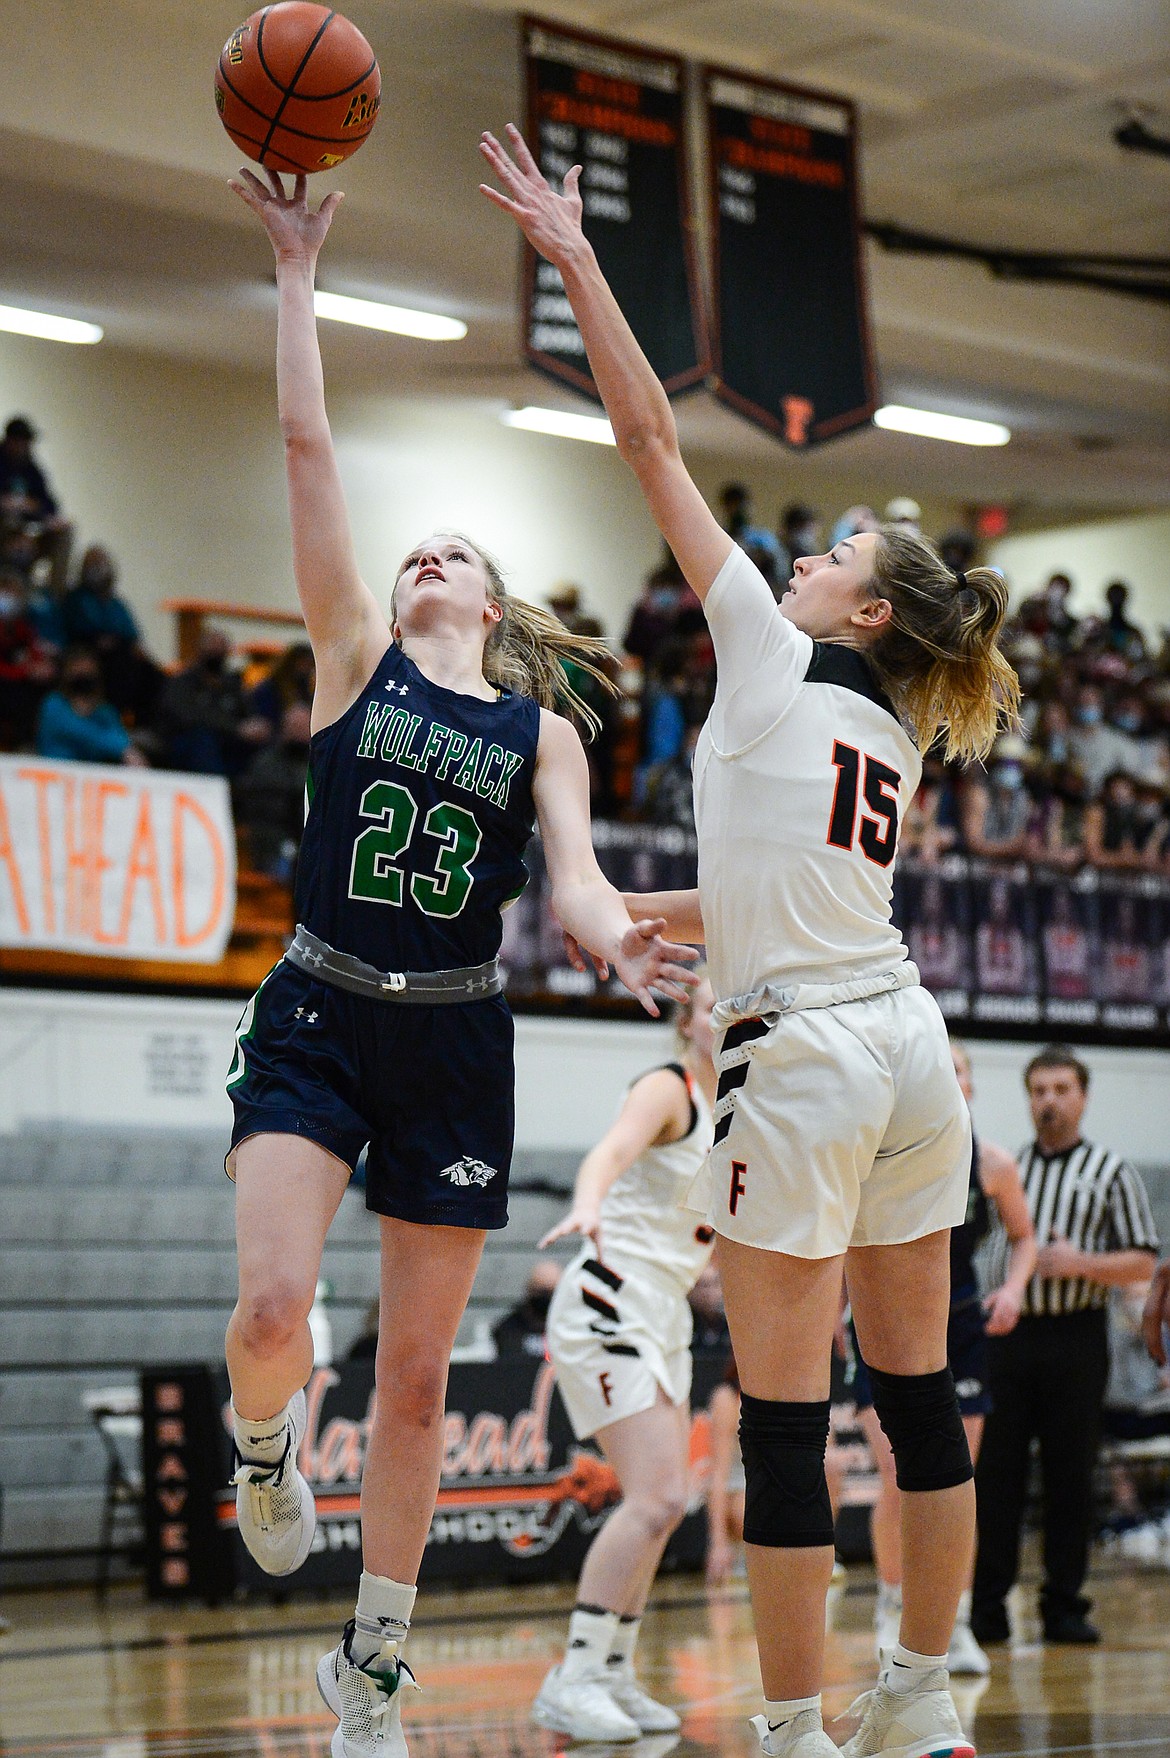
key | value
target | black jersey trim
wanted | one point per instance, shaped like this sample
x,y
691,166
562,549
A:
x,y
677,1068
834,663
604,1307
603,1273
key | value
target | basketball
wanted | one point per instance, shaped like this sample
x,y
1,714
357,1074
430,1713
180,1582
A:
x,y
297,87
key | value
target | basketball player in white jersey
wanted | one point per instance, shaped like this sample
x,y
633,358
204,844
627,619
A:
x,y
619,1332
842,1142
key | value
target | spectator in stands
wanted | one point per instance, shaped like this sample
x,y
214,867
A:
x,y
1117,834
735,503
1051,734
1046,615
203,719
799,534
96,616
931,827
957,548
27,503
565,603
521,1331
710,1335
27,663
290,683
77,723
1096,747
852,521
1122,636
655,616
269,797
668,795
905,512
996,811
1061,816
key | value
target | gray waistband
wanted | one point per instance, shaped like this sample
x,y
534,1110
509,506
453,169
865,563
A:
x,y
418,988
770,998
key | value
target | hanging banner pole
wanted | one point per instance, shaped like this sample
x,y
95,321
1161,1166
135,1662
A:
x,y
619,113
791,327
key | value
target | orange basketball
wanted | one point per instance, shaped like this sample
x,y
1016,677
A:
x,y
297,87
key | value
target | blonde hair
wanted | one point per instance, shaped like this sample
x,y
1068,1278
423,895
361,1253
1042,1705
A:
x,y
938,657
527,650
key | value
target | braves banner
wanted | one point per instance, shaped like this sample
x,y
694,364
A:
x,y
519,1500
124,863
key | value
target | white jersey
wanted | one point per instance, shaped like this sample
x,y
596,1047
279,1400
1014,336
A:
x,y
643,1224
803,774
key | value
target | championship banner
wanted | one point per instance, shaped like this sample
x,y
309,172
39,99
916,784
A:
x,y
619,113
113,861
792,346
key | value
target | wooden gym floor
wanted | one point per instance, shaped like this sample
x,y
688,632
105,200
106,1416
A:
x,y
137,1681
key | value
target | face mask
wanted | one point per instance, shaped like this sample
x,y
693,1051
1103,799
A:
x,y
84,684
662,598
1058,748
1008,775
9,603
1129,723
1088,716
96,579
213,664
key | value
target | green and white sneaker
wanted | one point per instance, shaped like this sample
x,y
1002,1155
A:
x,y
275,1510
367,1700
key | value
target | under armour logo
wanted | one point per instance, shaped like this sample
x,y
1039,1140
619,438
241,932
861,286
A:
x,y
468,1171
398,689
311,1018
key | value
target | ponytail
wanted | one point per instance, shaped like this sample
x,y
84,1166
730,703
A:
x,y
528,649
938,657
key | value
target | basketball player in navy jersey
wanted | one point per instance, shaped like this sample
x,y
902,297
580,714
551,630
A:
x,y
433,750
842,1143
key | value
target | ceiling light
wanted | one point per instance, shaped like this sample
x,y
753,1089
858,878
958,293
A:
x,y
399,320
46,326
594,428
931,425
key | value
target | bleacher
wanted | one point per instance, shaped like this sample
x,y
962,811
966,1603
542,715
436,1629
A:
x,y
120,1252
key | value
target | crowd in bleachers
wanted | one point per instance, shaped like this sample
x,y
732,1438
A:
x,y
1086,779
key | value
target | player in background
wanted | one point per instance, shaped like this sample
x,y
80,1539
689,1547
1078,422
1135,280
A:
x,y
619,1333
434,748
995,1186
841,1136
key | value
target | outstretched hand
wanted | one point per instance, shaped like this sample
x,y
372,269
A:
x,y
646,962
293,229
550,222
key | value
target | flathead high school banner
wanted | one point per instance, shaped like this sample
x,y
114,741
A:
x,y
118,862
618,112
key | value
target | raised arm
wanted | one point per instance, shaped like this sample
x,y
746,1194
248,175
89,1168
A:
x,y
634,400
348,631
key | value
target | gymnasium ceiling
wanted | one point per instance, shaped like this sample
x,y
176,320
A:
x,y
989,123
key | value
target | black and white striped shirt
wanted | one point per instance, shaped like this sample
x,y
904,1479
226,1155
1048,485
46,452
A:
x,y
1095,1200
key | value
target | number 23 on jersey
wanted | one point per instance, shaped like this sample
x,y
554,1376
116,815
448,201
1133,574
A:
x,y
878,785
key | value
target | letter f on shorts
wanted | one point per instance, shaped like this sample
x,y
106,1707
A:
x,y
738,1184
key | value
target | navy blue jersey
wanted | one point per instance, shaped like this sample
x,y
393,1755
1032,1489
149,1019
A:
x,y
419,809
968,1235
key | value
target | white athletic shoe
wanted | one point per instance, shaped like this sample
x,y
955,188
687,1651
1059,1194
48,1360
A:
x,y
964,1655
910,1724
627,1693
275,1510
802,1737
887,1621
367,1700
582,1708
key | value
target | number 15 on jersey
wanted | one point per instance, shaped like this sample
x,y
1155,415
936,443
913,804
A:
x,y
878,785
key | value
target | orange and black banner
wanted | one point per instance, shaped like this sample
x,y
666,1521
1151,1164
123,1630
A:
x,y
791,343
618,113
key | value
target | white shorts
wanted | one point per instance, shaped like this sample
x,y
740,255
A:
x,y
837,1125
615,1337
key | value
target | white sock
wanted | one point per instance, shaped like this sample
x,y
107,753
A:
x,y
963,1615
591,1641
263,1442
382,1615
623,1643
788,1709
906,1671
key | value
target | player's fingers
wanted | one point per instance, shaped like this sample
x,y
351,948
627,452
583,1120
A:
x,y
601,966
331,204
678,973
301,188
671,949
275,184
501,201
649,926
648,1002
572,178
524,157
252,182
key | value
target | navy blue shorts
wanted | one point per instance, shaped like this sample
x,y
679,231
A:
x,y
966,1357
430,1089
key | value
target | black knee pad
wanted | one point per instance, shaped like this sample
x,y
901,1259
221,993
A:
x,y
786,1500
920,1414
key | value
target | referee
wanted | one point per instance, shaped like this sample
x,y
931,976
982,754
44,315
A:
x,y
1047,1377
